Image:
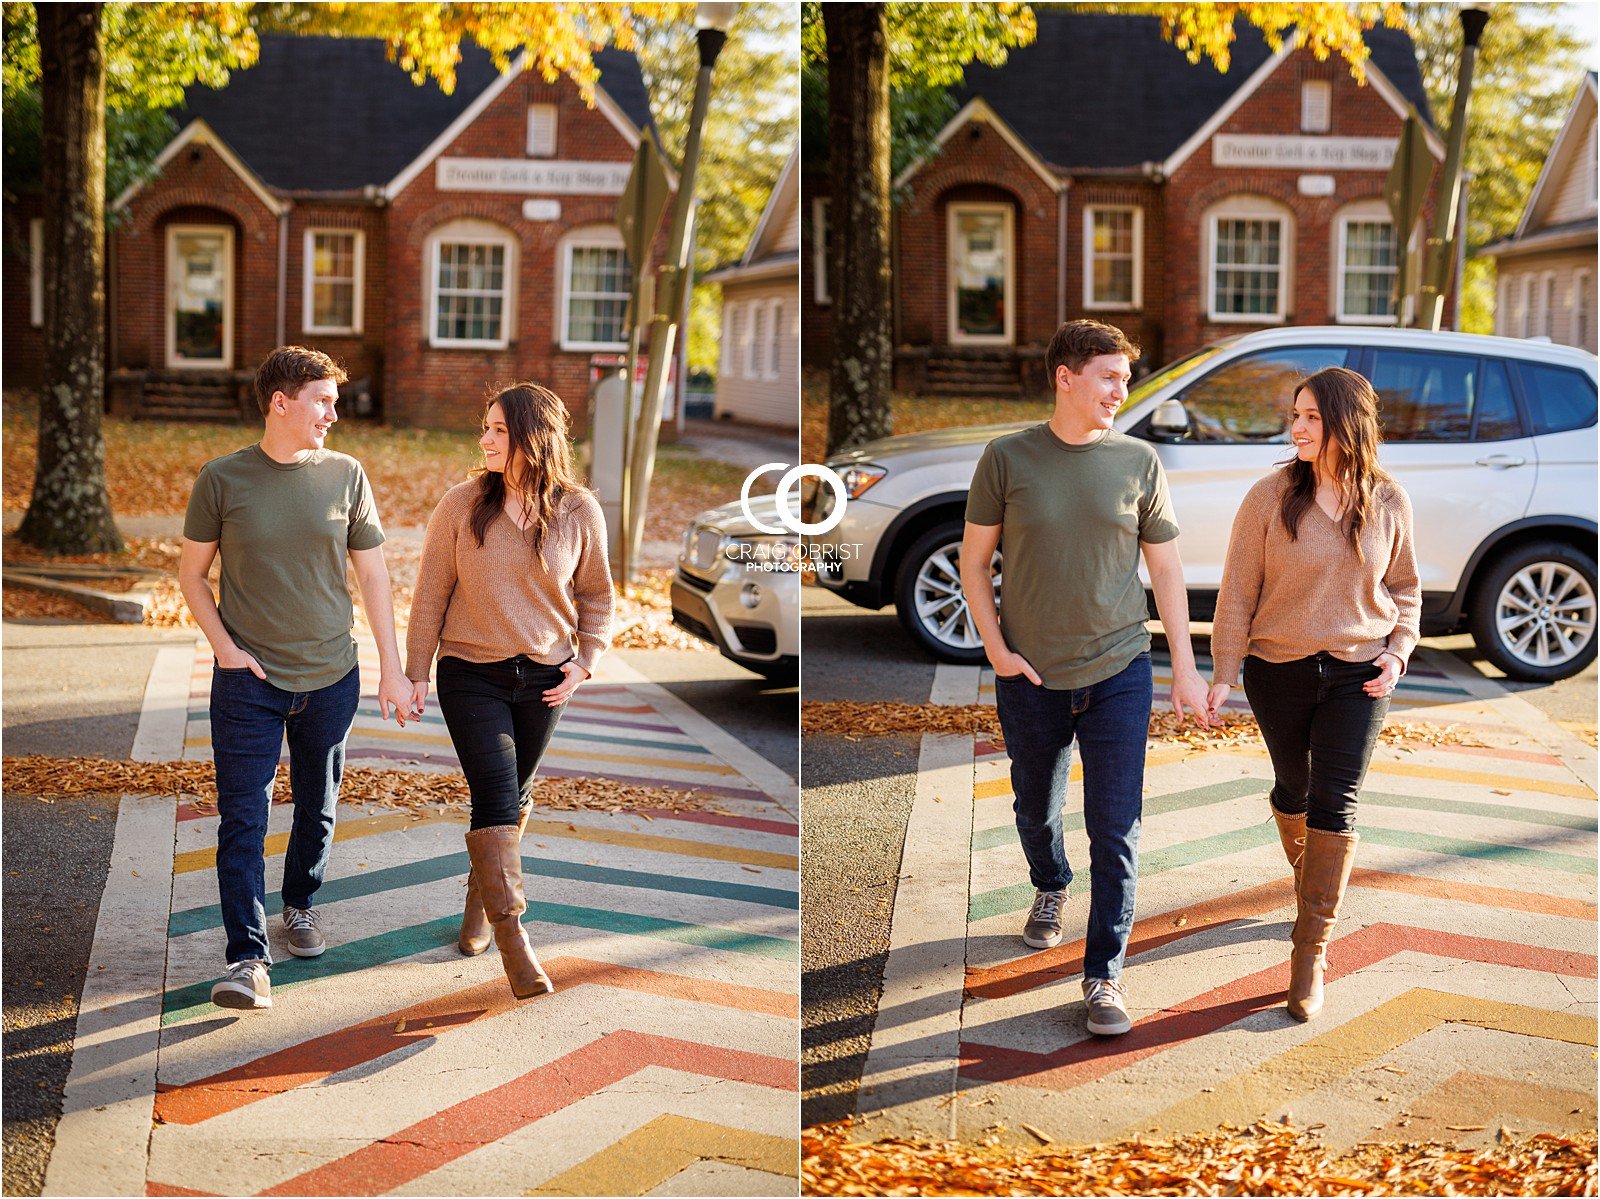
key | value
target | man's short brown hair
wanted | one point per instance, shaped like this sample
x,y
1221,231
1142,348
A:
x,y
289,368
1078,341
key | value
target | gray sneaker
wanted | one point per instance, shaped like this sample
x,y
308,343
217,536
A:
x,y
1043,930
305,938
246,985
1107,1001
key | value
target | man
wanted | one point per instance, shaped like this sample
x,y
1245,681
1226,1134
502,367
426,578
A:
x,y
284,513
1076,503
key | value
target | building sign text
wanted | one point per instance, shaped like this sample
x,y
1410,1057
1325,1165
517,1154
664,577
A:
x,y
539,176
1303,153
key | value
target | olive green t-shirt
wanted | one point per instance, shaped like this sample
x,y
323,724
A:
x,y
283,529
1071,519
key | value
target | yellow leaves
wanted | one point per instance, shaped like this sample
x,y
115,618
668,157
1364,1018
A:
x,y
1206,31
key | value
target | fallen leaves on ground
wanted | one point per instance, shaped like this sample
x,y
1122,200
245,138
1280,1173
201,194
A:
x,y
51,778
848,719
1266,1159
644,616
24,603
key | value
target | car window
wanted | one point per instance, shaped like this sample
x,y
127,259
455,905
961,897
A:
x,y
1558,398
1424,396
1248,400
1496,418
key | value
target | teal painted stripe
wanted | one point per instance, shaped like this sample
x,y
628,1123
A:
x,y
430,870
180,1003
564,734
1199,797
1511,855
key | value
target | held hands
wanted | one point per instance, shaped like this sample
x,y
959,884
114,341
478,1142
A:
x,y
1008,662
394,691
562,692
1216,697
1389,666
236,659
1189,692
419,697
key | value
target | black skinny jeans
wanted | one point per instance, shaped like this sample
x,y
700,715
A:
x,y
501,726
1320,727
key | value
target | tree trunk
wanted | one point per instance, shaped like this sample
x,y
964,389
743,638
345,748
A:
x,y
858,139
70,512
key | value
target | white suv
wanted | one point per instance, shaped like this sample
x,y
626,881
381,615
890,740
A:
x,y
1493,438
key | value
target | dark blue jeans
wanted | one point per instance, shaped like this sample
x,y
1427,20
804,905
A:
x,y
1110,721
249,721
501,727
1320,727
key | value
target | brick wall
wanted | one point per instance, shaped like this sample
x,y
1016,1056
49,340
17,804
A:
x,y
361,354
24,341
445,387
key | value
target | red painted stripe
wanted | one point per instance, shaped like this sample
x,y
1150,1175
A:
x,y
312,1061
409,1153
1515,755
152,1187
1095,1057
783,828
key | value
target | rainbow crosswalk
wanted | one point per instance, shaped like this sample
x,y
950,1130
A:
x,y
1461,991
391,1064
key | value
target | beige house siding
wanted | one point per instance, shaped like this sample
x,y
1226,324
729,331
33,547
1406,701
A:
x,y
759,379
1575,198
1548,295
787,237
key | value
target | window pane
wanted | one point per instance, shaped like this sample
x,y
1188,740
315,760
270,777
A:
x,y
1558,399
471,288
333,305
1250,400
1425,397
1497,414
1254,244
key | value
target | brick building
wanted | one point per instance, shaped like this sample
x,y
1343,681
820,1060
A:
x,y
1099,173
437,245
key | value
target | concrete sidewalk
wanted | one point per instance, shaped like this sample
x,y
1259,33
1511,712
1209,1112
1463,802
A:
x,y
663,1063
1461,991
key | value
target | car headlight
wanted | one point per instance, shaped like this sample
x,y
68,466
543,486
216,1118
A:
x,y
770,552
817,500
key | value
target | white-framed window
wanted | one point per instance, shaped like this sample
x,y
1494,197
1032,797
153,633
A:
x,y
1249,255
1525,307
982,273
1581,317
331,297
1502,309
471,267
542,130
1539,309
820,232
1366,265
755,340
773,358
1113,256
36,272
1316,106
1547,305
595,280
730,340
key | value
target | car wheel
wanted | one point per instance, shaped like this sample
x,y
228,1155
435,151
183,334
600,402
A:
x,y
929,600
1533,612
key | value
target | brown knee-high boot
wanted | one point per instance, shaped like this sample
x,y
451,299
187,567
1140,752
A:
x,y
496,855
1292,833
475,931
1324,874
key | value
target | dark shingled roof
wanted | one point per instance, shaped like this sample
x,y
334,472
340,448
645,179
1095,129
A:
x,y
1103,90
334,114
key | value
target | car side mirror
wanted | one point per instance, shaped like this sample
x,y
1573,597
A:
x,y
1170,419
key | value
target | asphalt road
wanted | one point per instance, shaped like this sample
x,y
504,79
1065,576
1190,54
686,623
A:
x,y
76,690
856,798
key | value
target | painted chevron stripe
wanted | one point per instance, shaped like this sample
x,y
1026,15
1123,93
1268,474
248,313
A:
x,y
1047,966
181,1003
1336,1053
1006,900
359,753
425,1146
314,1060
1468,1097
430,870
1084,1061
668,1145
368,826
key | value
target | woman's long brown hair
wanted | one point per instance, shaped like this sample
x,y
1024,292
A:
x,y
1349,408
539,464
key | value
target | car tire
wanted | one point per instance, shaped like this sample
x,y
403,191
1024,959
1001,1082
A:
x,y
1513,619
924,585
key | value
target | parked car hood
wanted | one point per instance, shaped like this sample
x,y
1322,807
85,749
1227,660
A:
x,y
730,518
930,442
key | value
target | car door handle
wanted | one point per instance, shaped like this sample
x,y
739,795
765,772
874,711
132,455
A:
x,y
1501,461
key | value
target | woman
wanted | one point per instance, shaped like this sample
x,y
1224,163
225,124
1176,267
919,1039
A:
x,y
514,593
1320,590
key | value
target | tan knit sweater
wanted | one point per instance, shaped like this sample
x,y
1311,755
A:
x,y
1283,599
489,603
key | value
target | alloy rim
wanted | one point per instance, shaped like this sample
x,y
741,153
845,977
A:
x,y
1545,614
940,603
